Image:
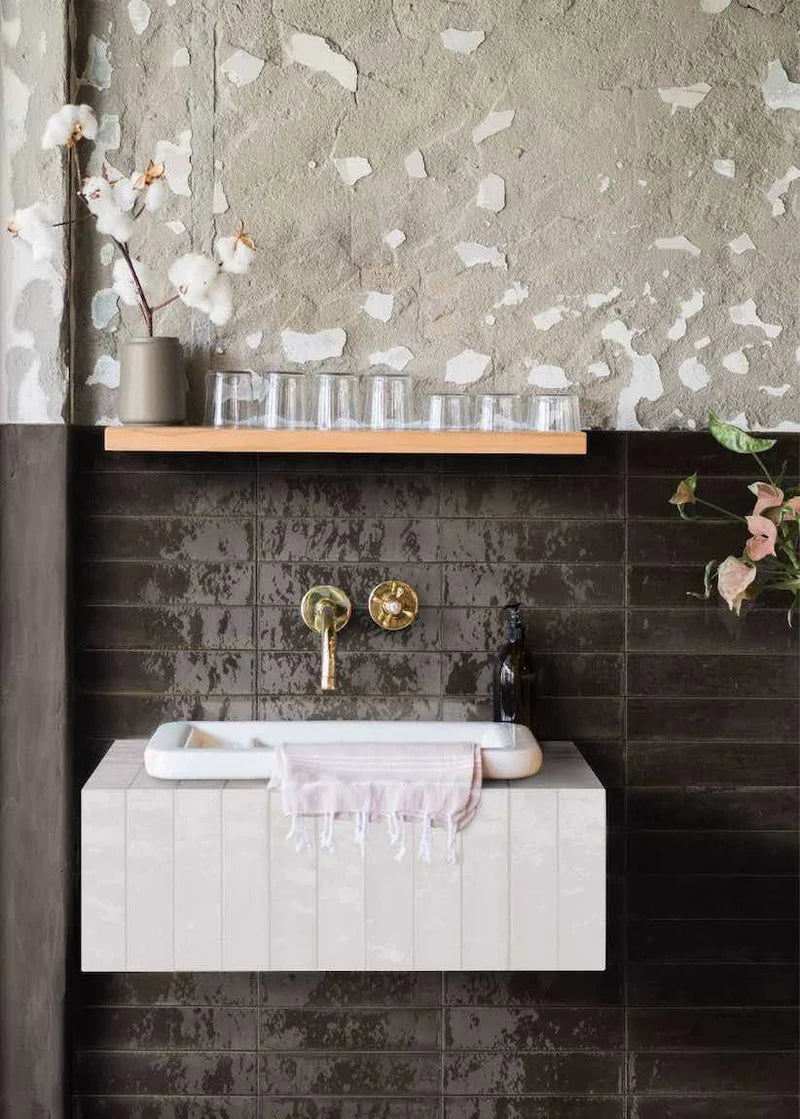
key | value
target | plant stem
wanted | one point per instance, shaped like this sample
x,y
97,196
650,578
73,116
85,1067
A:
x,y
718,509
767,474
147,310
166,303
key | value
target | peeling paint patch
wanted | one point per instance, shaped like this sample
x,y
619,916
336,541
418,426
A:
x,y
602,298
461,42
689,308
471,253
181,58
241,68
714,7
108,139
378,305
415,165
545,320
679,244
770,390
741,244
491,124
394,238
745,314
736,362
645,381
98,68
220,203
304,348
177,227
513,296
351,168
107,253
254,340
491,194
177,160
701,343
466,367
694,374
778,189
599,369
105,372
396,358
725,167
16,98
603,183
105,308
685,96
317,54
779,92
547,376
10,30
139,15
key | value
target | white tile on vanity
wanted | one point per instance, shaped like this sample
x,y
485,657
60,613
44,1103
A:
x,y
340,899
150,880
389,905
533,879
292,896
485,872
198,876
103,878
582,881
437,906
245,876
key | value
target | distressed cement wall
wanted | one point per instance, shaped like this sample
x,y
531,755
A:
x,y
33,352
652,144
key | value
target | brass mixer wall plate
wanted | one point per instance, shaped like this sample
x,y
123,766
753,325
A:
x,y
393,604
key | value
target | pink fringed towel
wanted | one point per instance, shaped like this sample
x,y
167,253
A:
x,y
437,784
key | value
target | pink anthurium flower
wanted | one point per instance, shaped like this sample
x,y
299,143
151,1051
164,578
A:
x,y
733,579
763,534
791,507
767,497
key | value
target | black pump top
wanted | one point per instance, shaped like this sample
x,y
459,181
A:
x,y
516,629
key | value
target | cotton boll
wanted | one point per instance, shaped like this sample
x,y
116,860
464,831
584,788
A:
x,y
155,195
69,125
235,254
220,301
193,275
103,199
124,285
34,226
124,194
84,116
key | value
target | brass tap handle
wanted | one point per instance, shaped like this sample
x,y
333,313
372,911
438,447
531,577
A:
x,y
393,604
326,610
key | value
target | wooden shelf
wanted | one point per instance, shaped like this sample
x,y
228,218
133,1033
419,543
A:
x,y
251,440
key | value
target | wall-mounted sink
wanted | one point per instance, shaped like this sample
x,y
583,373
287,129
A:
x,y
184,751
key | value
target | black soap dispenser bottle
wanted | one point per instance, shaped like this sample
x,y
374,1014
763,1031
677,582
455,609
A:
x,y
513,675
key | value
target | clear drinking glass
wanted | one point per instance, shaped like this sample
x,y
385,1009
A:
x,y
285,400
498,411
555,412
447,411
230,398
388,402
337,401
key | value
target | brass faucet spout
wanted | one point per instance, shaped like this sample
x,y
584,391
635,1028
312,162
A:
x,y
326,610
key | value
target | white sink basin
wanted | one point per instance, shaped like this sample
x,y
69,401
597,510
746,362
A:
x,y
187,751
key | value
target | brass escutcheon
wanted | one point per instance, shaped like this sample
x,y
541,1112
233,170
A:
x,y
393,604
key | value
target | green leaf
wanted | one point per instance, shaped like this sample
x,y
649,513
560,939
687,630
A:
x,y
734,439
709,573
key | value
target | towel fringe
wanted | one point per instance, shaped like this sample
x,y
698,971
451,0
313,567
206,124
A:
x,y
424,853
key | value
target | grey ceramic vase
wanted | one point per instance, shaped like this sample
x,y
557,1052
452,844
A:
x,y
152,382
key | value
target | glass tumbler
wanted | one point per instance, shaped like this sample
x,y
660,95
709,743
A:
x,y
388,402
555,412
285,400
230,398
447,411
337,401
498,411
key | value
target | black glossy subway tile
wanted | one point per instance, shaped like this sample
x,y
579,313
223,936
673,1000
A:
x,y
510,1029
719,808
681,542
273,1107
350,1030
153,494
714,985
388,539
338,990
705,630
165,1028
165,584
680,453
713,852
351,1074
531,541
282,629
177,989
284,584
679,941
512,1074
533,1107
168,673
484,629
565,718
172,1073
660,719
164,1107
553,585
533,498
533,988
368,673
712,1107
394,708
118,715
749,897
343,497
606,760
665,1071
712,763
164,627
553,675
183,539
724,676
751,1029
